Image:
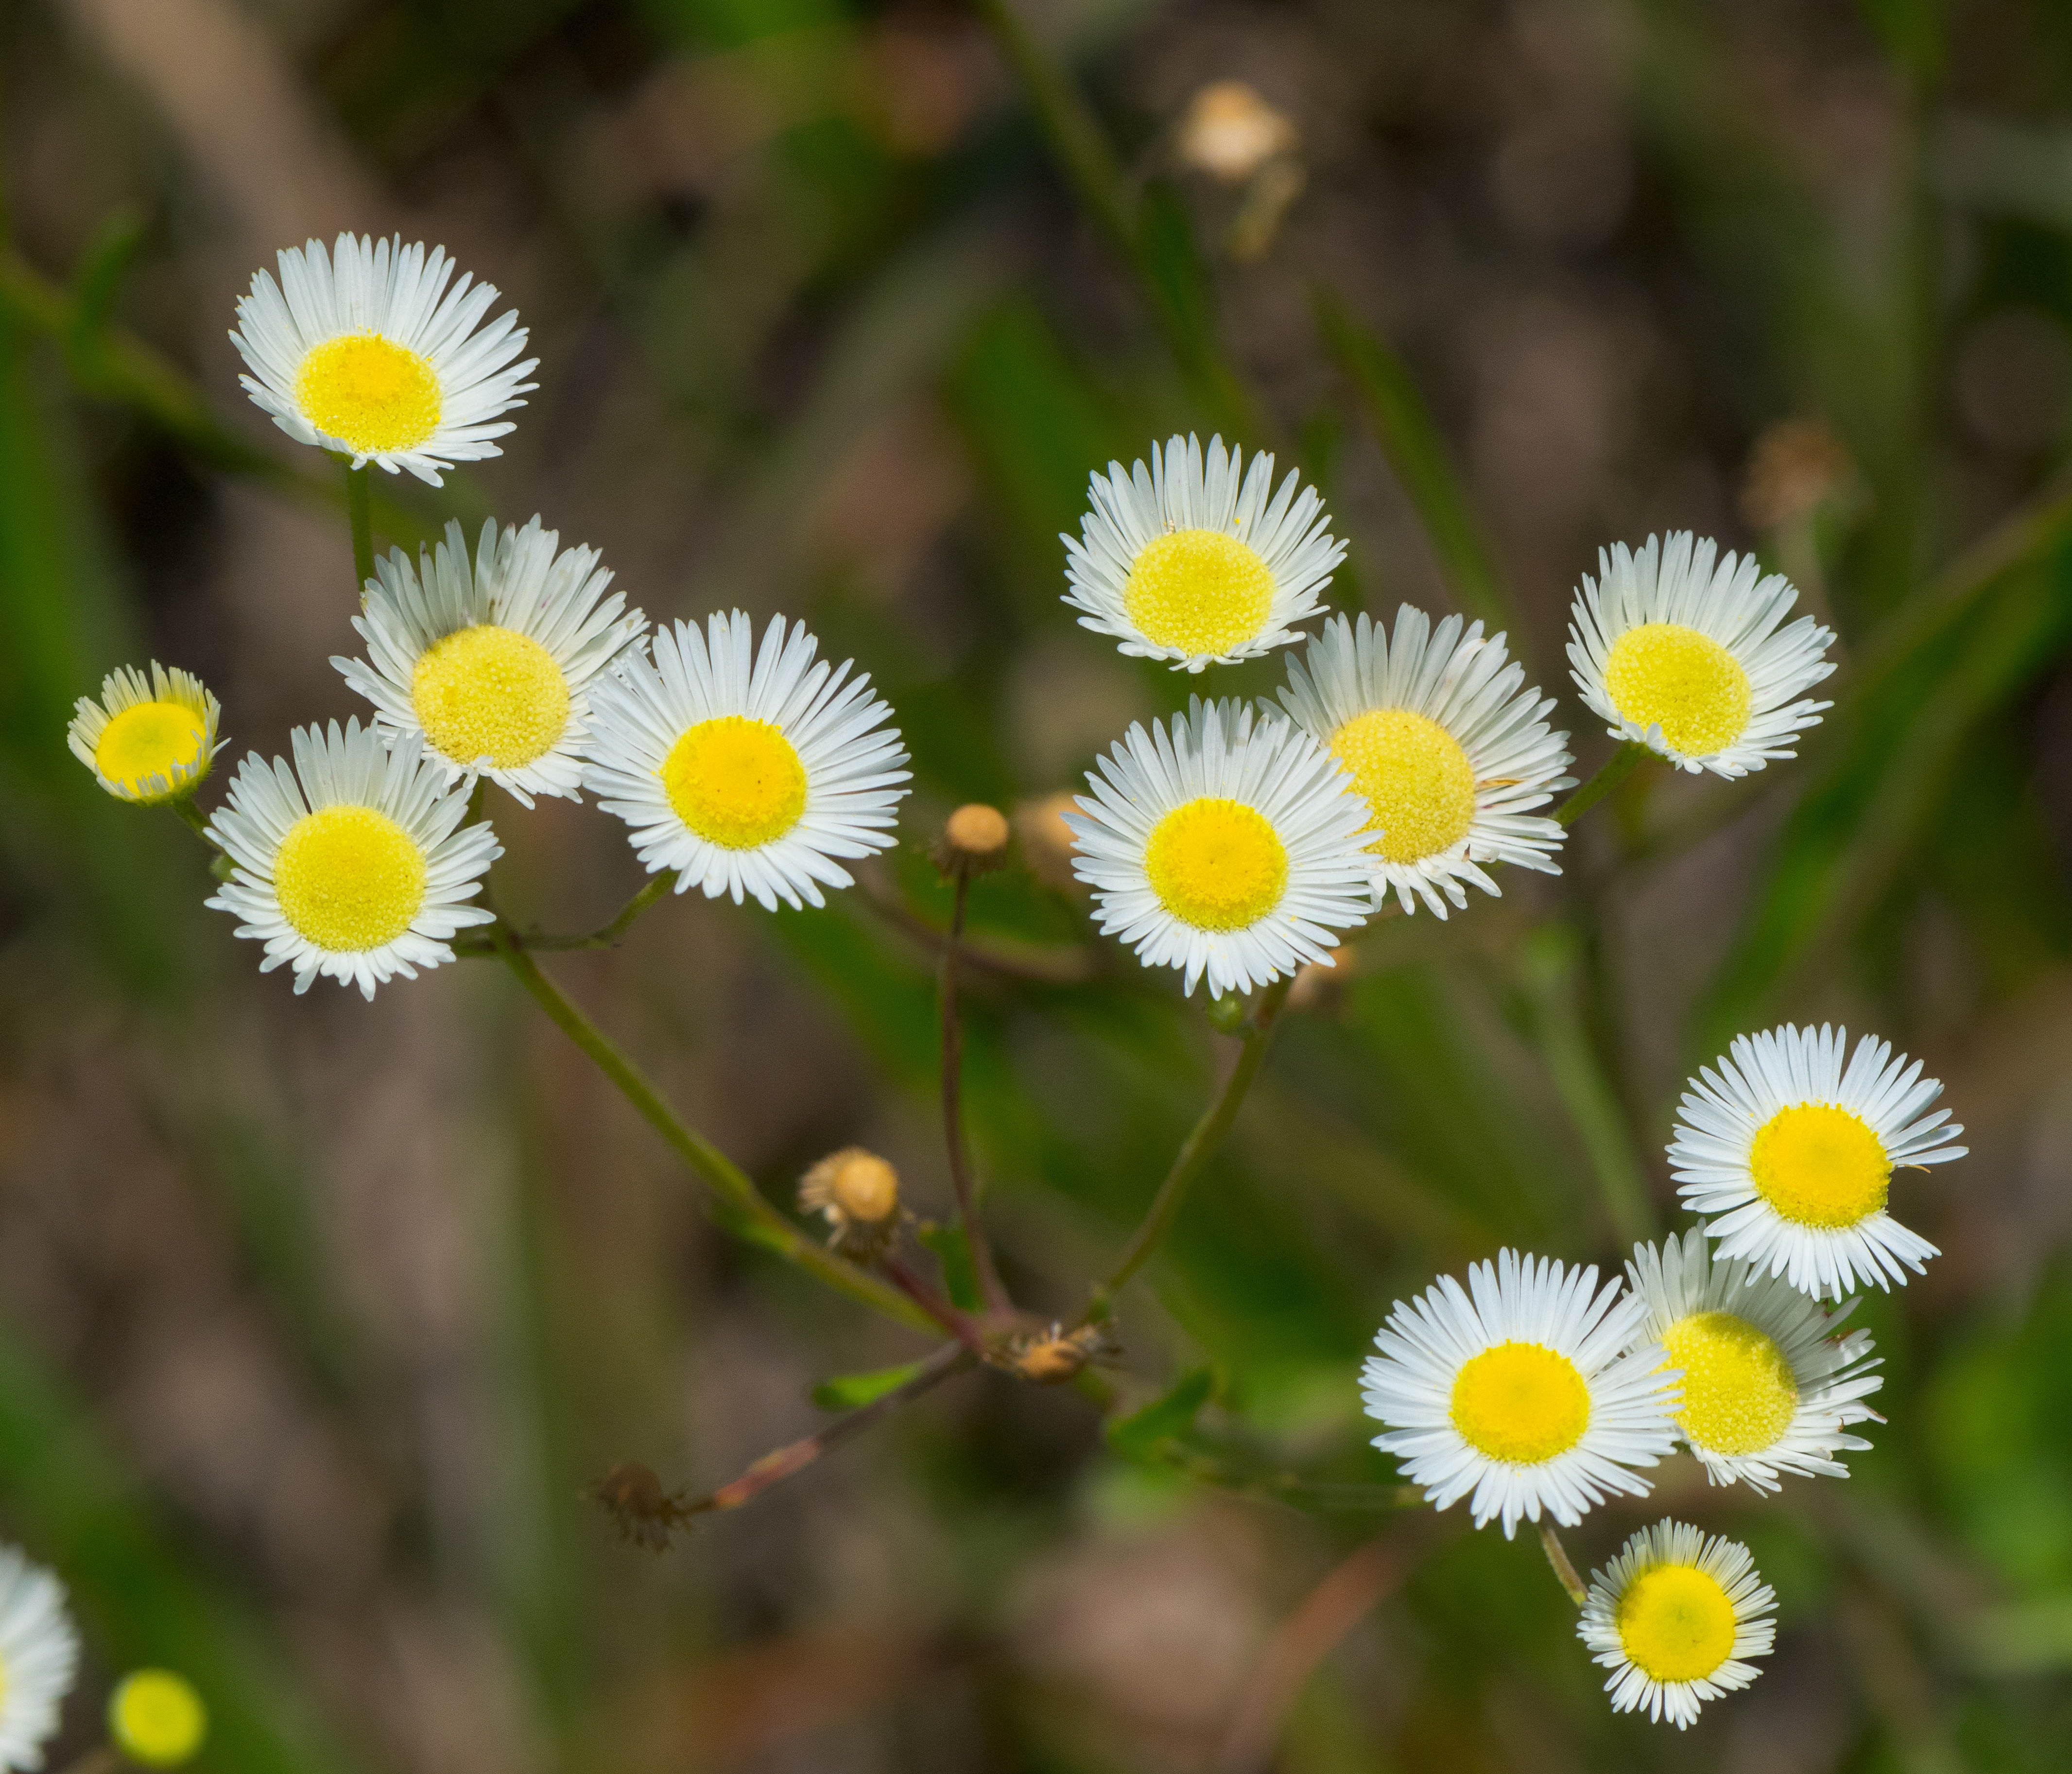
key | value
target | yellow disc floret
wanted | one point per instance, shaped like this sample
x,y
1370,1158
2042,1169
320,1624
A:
x,y
149,739
1676,1623
1740,1393
156,1717
1521,1402
1663,674
486,692
735,782
1414,777
1820,1166
1216,864
1199,589
349,878
370,394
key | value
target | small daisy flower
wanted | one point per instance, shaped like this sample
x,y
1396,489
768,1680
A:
x,y
1766,1388
147,739
1532,1388
1448,749
1685,656
746,771
365,351
1794,1155
350,866
1193,561
1223,844
493,664
38,1656
1675,1617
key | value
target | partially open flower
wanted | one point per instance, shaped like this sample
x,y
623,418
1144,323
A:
x,y
858,1191
974,840
1230,132
147,739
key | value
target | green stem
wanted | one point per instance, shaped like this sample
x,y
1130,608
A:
x,y
1610,774
191,817
952,1031
602,937
1564,1573
1199,1145
359,511
743,1209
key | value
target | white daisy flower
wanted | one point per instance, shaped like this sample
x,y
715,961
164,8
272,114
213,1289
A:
x,y
38,1656
366,353
350,865
1794,1155
147,739
493,664
1531,1388
1223,844
1685,656
1192,562
1675,1617
1449,750
1766,1388
745,771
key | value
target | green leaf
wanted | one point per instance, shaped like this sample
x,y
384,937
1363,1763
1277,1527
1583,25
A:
x,y
959,1276
1136,1436
1404,429
851,1391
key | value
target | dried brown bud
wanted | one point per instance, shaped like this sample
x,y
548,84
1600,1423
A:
x,y
1230,132
974,840
859,1193
1047,842
1050,1358
645,1513
1796,467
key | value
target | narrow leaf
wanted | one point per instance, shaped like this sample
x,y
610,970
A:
x,y
852,1391
1136,1436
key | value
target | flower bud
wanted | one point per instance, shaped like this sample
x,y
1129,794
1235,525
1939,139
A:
x,y
974,840
1047,841
1230,132
858,1191
1050,1358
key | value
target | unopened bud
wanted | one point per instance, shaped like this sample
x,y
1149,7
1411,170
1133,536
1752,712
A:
x,y
1047,841
858,1191
1050,1358
643,1512
1796,467
1230,132
974,840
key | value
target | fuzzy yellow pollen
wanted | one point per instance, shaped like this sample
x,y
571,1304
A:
x,y
1663,674
156,1717
349,878
1820,1166
1199,590
486,692
369,392
1520,1402
735,782
1415,778
1676,1623
149,739
1740,1393
1216,864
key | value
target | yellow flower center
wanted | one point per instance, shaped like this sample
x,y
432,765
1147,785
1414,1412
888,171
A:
x,y
1413,774
368,393
1521,1402
1199,589
1662,673
149,739
348,878
486,692
1216,864
1820,1166
1676,1623
156,1717
737,782
1739,1392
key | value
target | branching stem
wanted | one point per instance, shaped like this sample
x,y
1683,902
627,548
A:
x,y
604,936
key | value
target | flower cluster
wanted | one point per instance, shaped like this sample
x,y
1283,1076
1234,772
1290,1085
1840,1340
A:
x,y
1234,843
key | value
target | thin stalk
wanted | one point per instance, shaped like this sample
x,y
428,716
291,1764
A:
x,y
1614,770
957,1323
742,1204
1564,1573
602,937
953,1122
361,514
191,817
774,1468
1195,1150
